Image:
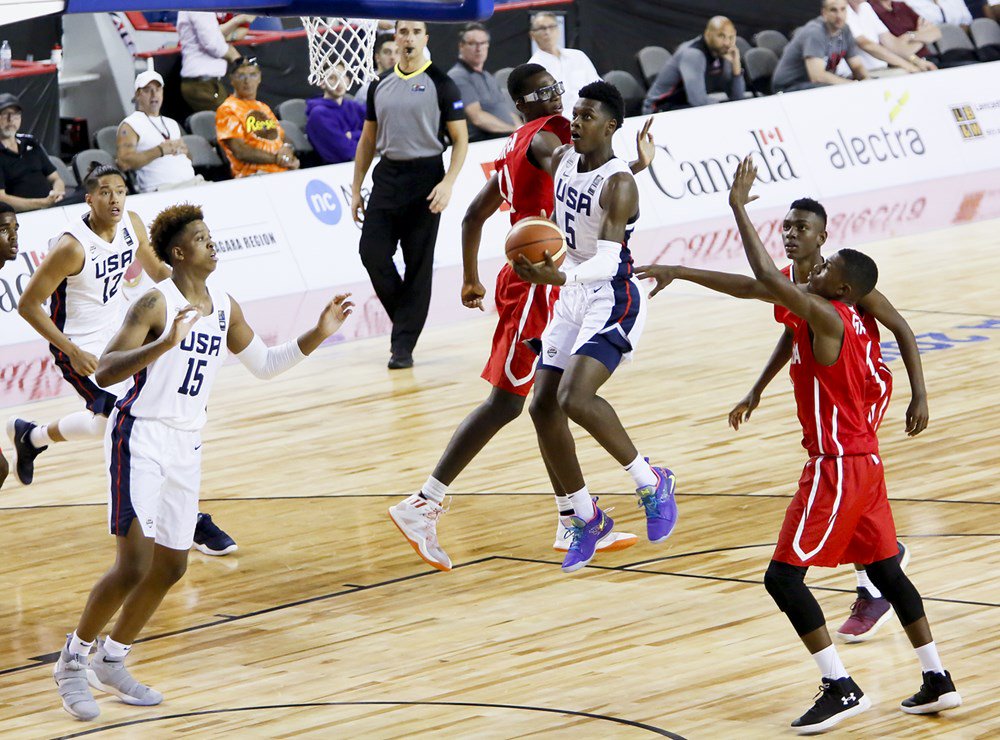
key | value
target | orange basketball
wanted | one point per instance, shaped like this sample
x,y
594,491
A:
x,y
532,237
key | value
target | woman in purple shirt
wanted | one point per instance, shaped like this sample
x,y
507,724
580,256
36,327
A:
x,y
333,124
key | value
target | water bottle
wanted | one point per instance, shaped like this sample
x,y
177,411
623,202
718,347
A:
x,y
5,56
56,57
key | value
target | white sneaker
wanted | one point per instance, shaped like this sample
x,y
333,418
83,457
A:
x,y
112,676
612,543
417,518
70,673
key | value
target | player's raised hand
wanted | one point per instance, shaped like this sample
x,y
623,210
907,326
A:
x,y
83,362
917,417
473,293
739,193
662,274
741,411
182,324
544,273
645,146
334,314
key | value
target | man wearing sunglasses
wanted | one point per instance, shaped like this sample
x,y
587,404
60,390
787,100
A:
x,y
571,66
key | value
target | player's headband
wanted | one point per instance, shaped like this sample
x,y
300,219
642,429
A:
x,y
549,92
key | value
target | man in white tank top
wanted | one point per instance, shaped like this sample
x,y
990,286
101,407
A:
x,y
150,145
596,323
169,349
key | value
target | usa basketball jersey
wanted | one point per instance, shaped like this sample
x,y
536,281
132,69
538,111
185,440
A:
x,y
579,212
831,400
174,388
527,188
89,307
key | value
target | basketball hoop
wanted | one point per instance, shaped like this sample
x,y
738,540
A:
x,y
347,41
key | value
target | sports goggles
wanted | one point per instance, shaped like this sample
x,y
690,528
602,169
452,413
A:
x,y
550,92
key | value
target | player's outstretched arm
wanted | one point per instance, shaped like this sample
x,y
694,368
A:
x,y
267,362
141,339
152,264
917,413
65,259
779,358
818,312
484,205
737,286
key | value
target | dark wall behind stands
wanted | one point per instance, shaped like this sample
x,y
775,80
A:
x,y
35,36
612,31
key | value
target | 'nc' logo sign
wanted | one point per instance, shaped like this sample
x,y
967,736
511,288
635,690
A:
x,y
323,202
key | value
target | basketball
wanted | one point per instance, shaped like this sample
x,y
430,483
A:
x,y
532,237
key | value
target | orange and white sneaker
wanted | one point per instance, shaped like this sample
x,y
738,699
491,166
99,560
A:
x,y
417,518
612,543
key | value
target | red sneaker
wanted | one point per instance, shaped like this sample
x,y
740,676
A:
x,y
867,615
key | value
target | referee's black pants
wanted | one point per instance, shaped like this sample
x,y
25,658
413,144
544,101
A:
x,y
398,213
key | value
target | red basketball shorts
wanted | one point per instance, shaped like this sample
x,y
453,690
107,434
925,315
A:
x,y
840,514
523,311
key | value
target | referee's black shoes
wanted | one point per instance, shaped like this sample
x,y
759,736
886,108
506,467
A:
x,y
400,361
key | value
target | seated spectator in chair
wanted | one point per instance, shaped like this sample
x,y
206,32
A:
x,y
248,130
878,47
150,145
333,124
814,53
386,55
570,66
955,12
708,64
913,32
489,110
28,179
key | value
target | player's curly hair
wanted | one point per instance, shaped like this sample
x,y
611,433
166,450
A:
x,y
168,225
861,272
517,80
810,205
607,95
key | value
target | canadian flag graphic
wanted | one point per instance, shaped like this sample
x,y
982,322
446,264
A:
x,y
771,135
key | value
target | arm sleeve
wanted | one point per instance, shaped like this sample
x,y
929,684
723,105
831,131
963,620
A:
x,y
602,266
692,68
328,133
266,362
210,38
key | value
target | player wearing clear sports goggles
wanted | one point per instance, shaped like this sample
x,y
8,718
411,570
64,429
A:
x,y
549,92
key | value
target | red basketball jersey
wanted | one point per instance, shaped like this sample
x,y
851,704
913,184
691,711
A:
x,y
831,400
528,189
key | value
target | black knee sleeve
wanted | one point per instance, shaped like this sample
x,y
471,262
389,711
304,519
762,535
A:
x,y
890,579
786,584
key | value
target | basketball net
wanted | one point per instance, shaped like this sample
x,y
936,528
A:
x,y
347,41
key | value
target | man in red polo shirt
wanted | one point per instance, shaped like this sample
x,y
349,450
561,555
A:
x,y
907,26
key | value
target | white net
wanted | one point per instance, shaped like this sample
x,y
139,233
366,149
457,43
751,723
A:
x,y
347,41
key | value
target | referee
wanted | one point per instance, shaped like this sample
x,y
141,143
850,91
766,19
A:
x,y
413,109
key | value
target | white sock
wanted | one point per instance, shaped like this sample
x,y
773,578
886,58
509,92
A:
x,y
564,505
641,473
76,646
829,663
82,425
929,658
866,583
583,504
115,650
434,490
39,436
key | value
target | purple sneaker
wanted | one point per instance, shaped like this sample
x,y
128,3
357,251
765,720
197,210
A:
x,y
660,506
584,537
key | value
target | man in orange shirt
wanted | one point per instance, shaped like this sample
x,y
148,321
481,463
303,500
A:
x,y
248,130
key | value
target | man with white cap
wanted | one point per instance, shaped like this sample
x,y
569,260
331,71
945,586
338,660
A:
x,y
150,145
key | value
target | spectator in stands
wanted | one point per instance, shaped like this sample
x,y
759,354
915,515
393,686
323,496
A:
x,y
248,130
912,32
814,53
708,64
991,9
28,179
150,145
334,124
205,56
570,66
386,55
489,110
943,11
877,46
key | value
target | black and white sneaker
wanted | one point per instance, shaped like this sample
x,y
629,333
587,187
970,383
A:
x,y
936,694
211,540
838,699
19,431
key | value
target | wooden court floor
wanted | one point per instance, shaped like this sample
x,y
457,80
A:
x,y
325,624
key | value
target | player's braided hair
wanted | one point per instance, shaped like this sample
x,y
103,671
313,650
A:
x,y
609,96
861,272
810,205
168,225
